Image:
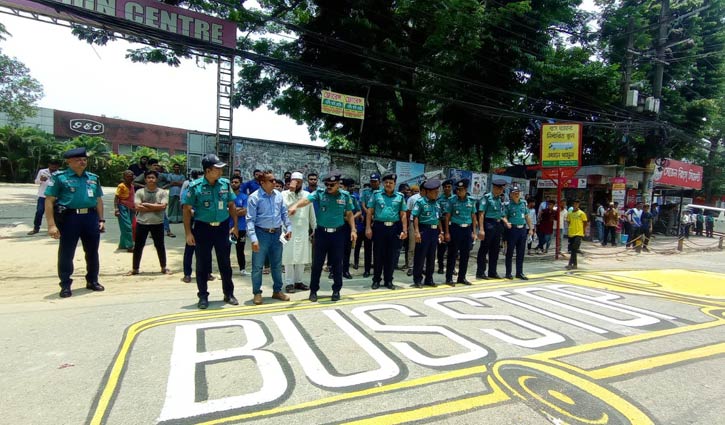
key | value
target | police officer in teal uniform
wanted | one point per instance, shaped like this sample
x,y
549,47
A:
x,y
516,219
386,225
212,199
348,185
443,200
428,233
334,217
490,211
365,196
78,214
461,223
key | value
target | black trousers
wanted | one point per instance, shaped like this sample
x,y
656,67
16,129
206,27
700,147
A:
x,y
241,259
142,233
576,242
425,254
217,238
461,243
610,233
489,247
442,248
517,241
73,227
386,246
330,246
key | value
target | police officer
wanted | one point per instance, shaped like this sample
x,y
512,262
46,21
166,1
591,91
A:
x,y
490,211
517,221
335,214
348,185
428,232
387,209
78,215
365,196
443,201
461,223
212,199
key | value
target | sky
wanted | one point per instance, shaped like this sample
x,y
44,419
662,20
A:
x,y
99,80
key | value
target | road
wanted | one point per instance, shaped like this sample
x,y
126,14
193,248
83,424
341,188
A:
x,y
627,339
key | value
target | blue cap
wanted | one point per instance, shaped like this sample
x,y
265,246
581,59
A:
x,y
390,176
374,176
347,182
498,181
431,184
462,183
76,153
515,188
332,177
448,181
211,160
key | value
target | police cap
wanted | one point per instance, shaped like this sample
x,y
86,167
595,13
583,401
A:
x,y
462,183
498,181
76,153
211,160
390,176
445,182
431,184
374,177
332,177
348,182
515,189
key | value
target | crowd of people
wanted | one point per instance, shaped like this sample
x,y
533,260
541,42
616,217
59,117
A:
x,y
292,225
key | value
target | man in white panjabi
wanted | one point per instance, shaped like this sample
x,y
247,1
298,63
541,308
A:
x,y
298,251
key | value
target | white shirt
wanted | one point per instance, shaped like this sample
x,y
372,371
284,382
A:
x,y
43,184
411,203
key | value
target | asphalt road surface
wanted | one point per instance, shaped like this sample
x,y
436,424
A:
x,y
627,339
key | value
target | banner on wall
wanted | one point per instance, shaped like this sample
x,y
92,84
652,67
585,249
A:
x,y
343,105
408,170
479,185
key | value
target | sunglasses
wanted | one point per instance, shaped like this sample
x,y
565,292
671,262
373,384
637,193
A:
x,y
328,184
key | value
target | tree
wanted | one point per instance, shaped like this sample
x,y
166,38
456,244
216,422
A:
x,y
24,150
18,90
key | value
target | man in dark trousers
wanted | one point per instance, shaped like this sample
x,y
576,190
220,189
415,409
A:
x,y
443,201
428,233
365,197
517,221
78,215
490,211
461,231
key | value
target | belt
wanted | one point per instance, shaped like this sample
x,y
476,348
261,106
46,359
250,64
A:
x,y
464,225
329,229
386,223
428,226
493,220
212,224
517,226
274,230
79,210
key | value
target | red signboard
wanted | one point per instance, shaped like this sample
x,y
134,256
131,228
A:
x,y
678,173
554,173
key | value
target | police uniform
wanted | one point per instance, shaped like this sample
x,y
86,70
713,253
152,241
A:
x,y
211,230
365,196
427,212
77,213
386,228
516,213
443,245
348,183
329,241
461,228
491,209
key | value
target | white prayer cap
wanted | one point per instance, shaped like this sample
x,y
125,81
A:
x,y
297,175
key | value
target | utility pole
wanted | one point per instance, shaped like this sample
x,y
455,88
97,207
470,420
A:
x,y
661,45
628,61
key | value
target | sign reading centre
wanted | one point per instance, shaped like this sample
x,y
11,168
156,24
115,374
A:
x,y
343,105
561,145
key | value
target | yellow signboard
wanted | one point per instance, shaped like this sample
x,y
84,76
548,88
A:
x,y
354,107
343,105
332,103
561,145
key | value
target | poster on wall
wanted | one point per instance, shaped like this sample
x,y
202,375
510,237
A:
x,y
479,185
408,171
619,190
456,174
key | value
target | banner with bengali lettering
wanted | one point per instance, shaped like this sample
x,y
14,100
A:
x,y
678,173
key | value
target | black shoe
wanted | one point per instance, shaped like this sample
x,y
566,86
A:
x,y
355,266
450,282
95,286
494,276
313,297
465,282
440,270
301,286
481,276
347,275
431,284
389,285
366,274
330,276
203,303
229,299
509,277
65,292
376,285
417,285
409,272
335,296
522,276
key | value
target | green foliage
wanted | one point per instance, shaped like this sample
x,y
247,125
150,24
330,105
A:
x,y
18,90
25,150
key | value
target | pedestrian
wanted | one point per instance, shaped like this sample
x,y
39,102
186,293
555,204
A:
x,y
42,179
645,229
124,203
545,228
443,200
266,216
490,212
335,214
463,226
251,186
386,208
360,227
298,251
427,231
189,249
173,182
562,226
576,219
312,180
532,224
365,199
634,218
141,167
518,222
278,185
418,193
212,201
78,215
348,185
699,223
151,202
685,224
599,221
151,164
240,204
611,219
709,225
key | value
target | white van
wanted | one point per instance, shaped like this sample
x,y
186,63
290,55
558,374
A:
x,y
717,213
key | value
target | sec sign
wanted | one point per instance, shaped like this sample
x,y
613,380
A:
x,y
85,126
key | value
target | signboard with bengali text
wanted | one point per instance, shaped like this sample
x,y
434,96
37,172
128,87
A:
x,y
332,103
678,173
561,145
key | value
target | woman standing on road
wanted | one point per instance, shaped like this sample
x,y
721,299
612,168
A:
x,y
125,210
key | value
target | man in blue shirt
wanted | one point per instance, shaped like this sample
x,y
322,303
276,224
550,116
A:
x,y
241,206
253,185
266,214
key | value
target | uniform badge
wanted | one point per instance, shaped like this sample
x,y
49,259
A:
x,y
72,189
341,201
207,204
